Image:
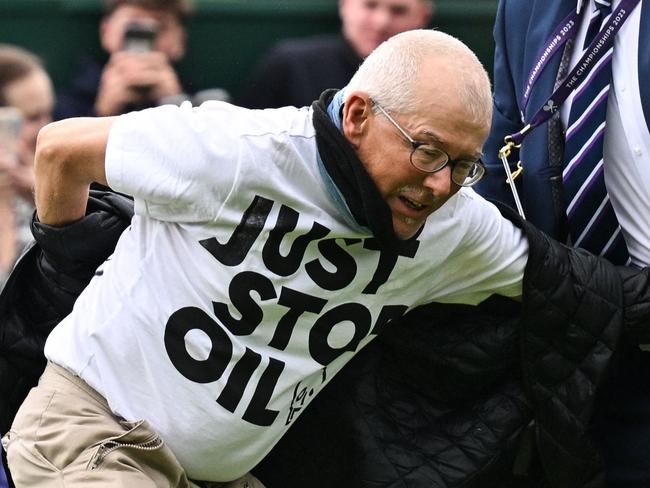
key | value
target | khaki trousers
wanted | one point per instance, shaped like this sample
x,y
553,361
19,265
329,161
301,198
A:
x,y
65,436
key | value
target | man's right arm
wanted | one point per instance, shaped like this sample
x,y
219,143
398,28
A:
x,y
69,157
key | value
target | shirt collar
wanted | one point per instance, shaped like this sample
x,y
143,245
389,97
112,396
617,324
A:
x,y
335,109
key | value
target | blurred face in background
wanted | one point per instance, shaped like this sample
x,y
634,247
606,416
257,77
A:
x,y
170,38
34,97
368,23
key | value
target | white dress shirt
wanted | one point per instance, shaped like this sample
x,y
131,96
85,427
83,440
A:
x,y
627,137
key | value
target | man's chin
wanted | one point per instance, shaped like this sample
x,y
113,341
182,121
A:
x,y
405,230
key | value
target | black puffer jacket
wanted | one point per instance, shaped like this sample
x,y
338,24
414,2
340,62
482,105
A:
x,y
452,396
471,397
44,285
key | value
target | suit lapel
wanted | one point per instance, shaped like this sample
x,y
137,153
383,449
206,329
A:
x,y
545,178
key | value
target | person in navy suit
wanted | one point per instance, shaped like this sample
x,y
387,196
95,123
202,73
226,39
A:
x,y
524,28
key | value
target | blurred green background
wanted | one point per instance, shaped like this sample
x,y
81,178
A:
x,y
226,37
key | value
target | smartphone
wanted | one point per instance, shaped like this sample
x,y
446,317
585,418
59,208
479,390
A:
x,y
139,37
11,121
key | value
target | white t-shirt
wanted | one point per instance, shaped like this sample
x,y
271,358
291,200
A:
x,y
240,289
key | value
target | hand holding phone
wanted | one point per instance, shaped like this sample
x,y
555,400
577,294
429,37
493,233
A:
x,y
138,74
139,37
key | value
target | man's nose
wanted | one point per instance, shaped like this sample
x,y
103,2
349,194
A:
x,y
440,182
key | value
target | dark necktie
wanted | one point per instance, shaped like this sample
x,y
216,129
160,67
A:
x,y
592,222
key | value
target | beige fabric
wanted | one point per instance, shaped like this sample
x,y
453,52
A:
x,y
65,436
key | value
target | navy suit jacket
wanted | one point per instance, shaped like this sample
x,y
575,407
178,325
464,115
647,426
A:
x,y
521,31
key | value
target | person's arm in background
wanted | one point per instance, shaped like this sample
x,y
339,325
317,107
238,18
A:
x,y
69,157
7,222
505,118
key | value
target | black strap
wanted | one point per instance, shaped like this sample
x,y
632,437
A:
x,y
350,176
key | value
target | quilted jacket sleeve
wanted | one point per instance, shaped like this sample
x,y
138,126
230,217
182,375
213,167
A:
x,y
572,325
636,289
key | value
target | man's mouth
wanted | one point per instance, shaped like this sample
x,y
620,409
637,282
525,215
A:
x,y
413,204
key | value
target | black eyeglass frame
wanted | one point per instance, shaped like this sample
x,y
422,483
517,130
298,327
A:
x,y
417,144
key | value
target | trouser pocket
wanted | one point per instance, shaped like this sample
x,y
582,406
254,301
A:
x,y
137,442
64,428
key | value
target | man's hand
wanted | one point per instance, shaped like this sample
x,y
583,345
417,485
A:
x,y
135,78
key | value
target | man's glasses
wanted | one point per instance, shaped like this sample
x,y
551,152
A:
x,y
430,159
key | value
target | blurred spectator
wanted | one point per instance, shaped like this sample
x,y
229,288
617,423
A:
x,y
142,40
296,71
25,87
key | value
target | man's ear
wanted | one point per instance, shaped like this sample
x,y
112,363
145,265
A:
x,y
103,34
356,112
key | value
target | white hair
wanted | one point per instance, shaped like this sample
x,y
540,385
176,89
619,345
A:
x,y
390,73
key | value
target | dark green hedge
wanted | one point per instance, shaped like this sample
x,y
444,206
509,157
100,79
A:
x,y
226,36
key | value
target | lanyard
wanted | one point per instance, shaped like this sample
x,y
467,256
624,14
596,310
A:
x,y
598,49
556,40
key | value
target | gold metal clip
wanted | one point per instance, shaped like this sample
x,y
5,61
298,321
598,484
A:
x,y
510,177
517,172
506,150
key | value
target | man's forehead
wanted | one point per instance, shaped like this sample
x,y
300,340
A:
x,y
30,93
448,123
